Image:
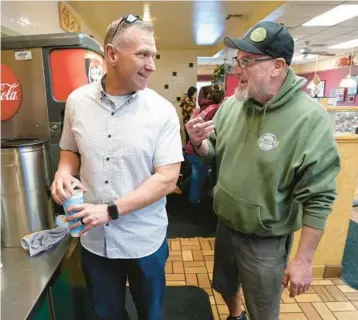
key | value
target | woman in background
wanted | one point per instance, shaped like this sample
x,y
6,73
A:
x,y
187,105
210,98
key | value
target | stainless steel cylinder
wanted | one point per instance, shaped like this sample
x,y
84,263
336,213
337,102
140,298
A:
x,y
26,204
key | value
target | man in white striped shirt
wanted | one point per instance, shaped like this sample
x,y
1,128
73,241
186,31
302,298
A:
x,y
125,140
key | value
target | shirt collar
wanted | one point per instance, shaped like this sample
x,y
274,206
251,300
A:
x,y
104,97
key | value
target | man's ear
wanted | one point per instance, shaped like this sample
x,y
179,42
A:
x,y
278,67
110,53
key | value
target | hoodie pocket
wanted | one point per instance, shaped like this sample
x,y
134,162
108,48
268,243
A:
x,y
239,214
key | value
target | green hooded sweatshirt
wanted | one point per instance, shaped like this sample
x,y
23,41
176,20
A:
x,y
276,164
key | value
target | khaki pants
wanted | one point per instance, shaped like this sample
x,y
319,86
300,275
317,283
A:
x,y
255,263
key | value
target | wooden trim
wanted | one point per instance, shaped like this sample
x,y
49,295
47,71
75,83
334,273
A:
x,y
346,137
332,271
342,108
324,272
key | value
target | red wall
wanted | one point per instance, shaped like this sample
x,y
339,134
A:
x,y
333,78
231,84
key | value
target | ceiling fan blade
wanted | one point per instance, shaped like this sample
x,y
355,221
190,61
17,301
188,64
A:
x,y
319,45
323,53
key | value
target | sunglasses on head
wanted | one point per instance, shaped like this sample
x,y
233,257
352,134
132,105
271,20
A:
x,y
128,19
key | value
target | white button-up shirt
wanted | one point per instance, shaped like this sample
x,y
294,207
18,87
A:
x,y
120,145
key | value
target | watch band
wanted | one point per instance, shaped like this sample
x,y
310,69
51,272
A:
x,y
113,211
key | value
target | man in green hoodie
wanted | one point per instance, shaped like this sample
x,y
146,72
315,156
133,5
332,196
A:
x,y
277,161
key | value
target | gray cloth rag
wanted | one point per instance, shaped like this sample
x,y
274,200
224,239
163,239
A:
x,y
40,241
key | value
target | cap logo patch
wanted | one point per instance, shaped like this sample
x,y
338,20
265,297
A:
x,y
258,35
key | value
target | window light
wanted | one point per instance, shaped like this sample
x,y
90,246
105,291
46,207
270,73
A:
x,y
348,82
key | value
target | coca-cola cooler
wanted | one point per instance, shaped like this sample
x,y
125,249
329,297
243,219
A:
x,y
38,72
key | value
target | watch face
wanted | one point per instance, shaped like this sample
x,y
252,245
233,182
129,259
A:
x,y
113,211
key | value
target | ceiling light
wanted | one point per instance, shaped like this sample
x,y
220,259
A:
x,y
207,34
313,85
146,13
345,45
208,24
334,16
348,81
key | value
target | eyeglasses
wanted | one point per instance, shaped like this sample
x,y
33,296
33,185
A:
x,y
128,19
244,62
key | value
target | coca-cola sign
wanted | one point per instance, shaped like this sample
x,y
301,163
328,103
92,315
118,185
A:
x,y
10,93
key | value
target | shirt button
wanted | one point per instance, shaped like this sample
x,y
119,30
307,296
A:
x,y
107,159
107,224
106,181
109,136
112,113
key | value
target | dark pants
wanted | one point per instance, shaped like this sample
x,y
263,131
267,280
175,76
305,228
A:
x,y
255,263
106,283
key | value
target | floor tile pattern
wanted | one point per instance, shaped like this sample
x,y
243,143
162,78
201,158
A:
x,y
190,262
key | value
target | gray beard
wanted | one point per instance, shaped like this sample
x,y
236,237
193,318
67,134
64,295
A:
x,y
241,95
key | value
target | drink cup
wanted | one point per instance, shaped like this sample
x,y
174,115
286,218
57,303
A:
x,y
75,199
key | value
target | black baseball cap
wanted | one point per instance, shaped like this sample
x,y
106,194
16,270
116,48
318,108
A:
x,y
266,37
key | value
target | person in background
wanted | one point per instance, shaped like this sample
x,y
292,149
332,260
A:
x,y
129,160
277,162
203,94
187,105
210,98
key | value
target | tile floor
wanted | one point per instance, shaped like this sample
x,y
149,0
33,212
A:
x,y
191,263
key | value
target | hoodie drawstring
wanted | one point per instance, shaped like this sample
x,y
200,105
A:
x,y
251,125
262,121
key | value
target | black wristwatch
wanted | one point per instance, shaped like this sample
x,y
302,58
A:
x,y
113,210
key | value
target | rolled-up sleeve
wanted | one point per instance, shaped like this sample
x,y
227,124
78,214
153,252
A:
x,y
316,176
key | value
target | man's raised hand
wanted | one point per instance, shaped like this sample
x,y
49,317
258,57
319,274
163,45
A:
x,y
198,129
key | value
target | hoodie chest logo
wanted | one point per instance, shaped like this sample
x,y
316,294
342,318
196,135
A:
x,y
267,142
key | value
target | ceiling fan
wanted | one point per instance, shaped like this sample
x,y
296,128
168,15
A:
x,y
307,50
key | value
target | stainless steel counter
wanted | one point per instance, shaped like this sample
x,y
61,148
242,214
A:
x,y
24,279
